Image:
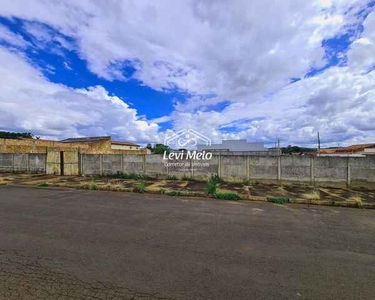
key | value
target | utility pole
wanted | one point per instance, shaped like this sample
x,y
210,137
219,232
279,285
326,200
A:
x,y
278,146
318,144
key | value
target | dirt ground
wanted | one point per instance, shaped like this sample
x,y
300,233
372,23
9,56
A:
x,y
298,193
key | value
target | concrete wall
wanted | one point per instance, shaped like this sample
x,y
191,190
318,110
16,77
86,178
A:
x,y
342,171
317,170
24,163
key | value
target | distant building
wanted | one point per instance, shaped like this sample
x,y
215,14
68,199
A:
x,y
241,147
115,145
359,150
88,145
369,151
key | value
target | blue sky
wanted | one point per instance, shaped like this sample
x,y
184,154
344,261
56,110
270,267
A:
x,y
139,71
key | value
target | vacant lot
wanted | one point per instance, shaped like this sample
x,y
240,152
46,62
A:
x,y
71,244
247,190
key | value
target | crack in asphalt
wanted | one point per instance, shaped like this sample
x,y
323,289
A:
x,y
24,277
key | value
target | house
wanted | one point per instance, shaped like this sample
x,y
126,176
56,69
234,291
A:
x,y
239,147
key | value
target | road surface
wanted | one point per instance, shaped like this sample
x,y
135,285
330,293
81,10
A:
x,y
69,244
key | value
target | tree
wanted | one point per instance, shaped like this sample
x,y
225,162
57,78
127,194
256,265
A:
x,y
15,135
160,149
296,149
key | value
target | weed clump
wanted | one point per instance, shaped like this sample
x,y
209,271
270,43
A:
x,y
216,179
92,186
161,191
211,188
140,188
278,200
212,184
43,184
314,195
227,196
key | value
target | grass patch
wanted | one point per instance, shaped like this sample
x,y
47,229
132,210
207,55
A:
x,y
92,186
43,184
171,177
161,191
227,196
356,199
314,195
278,200
212,184
140,188
211,188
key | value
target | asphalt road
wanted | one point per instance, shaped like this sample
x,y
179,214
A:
x,y
68,244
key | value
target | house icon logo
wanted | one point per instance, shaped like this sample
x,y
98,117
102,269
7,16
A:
x,y
187,138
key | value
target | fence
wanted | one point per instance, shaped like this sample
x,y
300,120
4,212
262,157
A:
x,y
28,163
315,170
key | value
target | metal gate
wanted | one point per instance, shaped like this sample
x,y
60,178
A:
x,y
63,162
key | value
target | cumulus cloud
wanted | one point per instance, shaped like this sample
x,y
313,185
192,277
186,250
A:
x,y
241,52
29,102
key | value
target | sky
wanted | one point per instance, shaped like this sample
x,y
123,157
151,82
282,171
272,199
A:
x,y
141,70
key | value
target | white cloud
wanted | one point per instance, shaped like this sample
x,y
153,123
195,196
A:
x,y
361,56
29,102
11,38
244,52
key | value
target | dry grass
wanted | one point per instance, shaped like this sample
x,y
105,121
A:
x,y
313,195
355,199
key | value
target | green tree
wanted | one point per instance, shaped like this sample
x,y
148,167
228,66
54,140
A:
x,y
160,149
15,135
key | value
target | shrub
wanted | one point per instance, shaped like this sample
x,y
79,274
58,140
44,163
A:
x,y
161,191
278,200
215,179
93,186
227,196
211,188
171,177
139,188
43,184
